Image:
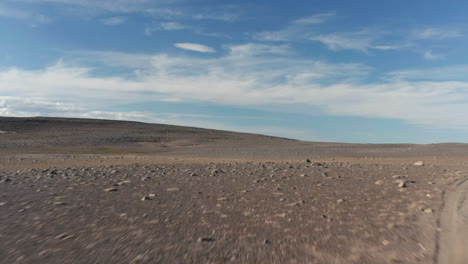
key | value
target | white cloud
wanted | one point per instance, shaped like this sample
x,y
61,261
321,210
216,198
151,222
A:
x,y
24,107
448,73
195,47
104,5
428,55
388,47
114,20
168,26
33,18
360,41
297,29
438,33
173,26
250,75
315,19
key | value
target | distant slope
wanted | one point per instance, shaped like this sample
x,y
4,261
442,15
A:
x,y
38,133
72,135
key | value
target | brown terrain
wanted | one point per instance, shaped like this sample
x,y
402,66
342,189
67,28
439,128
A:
x,y
97,191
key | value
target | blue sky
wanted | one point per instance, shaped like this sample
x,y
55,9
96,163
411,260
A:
x,y
346,71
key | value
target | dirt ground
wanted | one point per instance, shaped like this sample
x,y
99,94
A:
x,y
92,191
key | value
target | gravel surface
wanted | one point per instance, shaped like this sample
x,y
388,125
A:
x,y
72,199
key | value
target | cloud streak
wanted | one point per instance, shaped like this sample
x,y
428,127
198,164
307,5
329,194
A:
x,y
195,47
112,21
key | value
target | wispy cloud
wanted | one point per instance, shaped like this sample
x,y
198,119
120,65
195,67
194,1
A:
x,y
195,47
297,29
428,55
245,77
122,6
315,19
114,20
167,26
174,26
438,33
386,47
34,18
360,41
300,29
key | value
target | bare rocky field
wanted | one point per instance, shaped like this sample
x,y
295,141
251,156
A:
x,y
93,191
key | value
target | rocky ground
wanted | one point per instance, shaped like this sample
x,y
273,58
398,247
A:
x,y
185,206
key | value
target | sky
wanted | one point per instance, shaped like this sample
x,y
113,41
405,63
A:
x,y
362,71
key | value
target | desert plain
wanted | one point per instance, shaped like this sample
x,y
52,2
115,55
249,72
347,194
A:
x,y
102,191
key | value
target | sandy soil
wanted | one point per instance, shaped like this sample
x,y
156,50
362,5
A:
x,y
91,191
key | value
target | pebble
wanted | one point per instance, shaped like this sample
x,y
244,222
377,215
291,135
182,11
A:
x,y
64,236
428,210
205,239
173,189
124,182
418,163
378,182
110,190
401,183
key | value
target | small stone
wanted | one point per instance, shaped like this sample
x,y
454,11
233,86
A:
x,y
124,182
110,190
398,176
308,161
140,259
378,182
401,183
205,239
145,198
339,200
152,195
64,236
302,175
266,242
145,178
428,211
419,163
7,180
173,189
